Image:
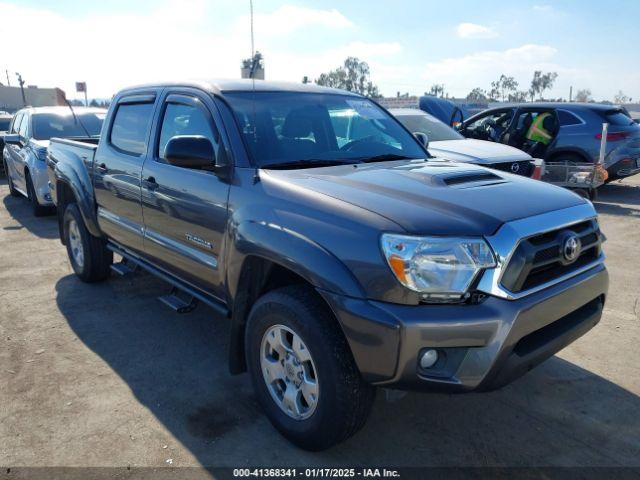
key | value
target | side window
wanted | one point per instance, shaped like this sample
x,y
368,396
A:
x,y
130,127
568,118
23,129
15,124
500,119
180,119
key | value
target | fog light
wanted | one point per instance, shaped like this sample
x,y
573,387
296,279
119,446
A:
x,y
428,358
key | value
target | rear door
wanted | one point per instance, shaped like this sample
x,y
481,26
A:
x,y
185,210
10,151
118,165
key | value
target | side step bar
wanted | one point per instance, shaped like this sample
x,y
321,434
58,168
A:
x,y
189,291
125,267
178,304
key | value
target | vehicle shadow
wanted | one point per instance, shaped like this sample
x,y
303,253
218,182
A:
x,y
618,198
20,210
175,366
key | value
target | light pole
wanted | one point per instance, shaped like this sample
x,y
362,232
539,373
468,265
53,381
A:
x,y
21,82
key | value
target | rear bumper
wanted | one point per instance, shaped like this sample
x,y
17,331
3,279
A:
x,y
480,347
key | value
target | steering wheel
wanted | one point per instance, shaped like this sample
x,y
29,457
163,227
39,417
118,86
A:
x,y
349,146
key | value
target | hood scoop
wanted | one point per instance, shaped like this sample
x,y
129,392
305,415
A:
x,y
472,177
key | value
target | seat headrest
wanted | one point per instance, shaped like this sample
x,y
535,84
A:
x,y
549,123
299,122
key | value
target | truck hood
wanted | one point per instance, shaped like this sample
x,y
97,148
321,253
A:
x,y
477,151
435,197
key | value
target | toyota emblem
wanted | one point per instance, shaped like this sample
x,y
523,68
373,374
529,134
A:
x,y
515,167
571,247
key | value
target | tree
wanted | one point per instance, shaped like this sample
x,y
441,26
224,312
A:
x,y
257,60
541,82
477,95
501,87
437,90
621,98
518,96
583,95
353,76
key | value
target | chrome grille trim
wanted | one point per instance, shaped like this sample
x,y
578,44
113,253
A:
x,y
506,240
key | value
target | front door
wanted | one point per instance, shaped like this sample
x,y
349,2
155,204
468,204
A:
x,y
185,210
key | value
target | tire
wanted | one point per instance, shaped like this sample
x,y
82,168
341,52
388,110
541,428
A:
x,y
12,190
94,264
343,399
38,210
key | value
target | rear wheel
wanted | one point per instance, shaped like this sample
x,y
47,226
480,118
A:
x,y
303,371
89,256
38,210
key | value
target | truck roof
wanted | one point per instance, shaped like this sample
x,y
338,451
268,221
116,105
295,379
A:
x,y
62,109
222,86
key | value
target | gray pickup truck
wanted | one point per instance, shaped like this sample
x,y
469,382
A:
x,y
343,264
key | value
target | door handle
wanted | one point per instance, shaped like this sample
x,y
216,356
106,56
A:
x,y
102,168
150,183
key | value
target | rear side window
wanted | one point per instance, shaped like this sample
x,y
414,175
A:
x,y
568,118
4,124
618,117
130,127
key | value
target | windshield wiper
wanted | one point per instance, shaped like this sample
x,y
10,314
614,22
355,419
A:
x,y
385,157
309,163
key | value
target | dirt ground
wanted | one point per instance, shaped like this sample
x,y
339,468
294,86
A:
x,y
105,375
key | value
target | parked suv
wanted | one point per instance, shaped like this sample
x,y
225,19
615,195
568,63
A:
x,y
575,128
341,266
26,144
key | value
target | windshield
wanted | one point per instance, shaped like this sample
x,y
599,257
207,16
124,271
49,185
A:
x,y
618,117
298,127
47,125
431,126
4,124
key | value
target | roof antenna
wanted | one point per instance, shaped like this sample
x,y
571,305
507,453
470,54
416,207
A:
x,y
256,177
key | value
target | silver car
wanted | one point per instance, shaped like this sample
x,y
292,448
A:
x,y
26,145
444,141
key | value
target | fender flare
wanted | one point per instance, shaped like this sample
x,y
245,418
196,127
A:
x,y
290,250
287,249
73,173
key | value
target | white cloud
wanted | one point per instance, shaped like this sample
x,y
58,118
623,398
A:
x,y
543,8
179,39
461,74
290,18
475,31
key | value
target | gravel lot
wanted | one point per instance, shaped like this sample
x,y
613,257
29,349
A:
x,y
105,375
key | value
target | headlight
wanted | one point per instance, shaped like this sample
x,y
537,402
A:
x,y
440,268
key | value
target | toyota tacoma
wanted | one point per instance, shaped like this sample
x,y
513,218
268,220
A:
x,y
342,264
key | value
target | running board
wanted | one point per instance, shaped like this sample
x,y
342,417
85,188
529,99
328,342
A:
x,y
177,303
213,302
124,268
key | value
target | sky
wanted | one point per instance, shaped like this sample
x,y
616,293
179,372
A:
x,y
409,44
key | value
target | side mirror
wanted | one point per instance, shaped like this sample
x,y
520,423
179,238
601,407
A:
x,y
12,139
422,138
190,151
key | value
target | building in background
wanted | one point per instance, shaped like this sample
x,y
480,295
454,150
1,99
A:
x,y
11,97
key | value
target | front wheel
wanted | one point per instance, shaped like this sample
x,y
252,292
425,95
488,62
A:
x,y
303,371
38,210
89,256
12,190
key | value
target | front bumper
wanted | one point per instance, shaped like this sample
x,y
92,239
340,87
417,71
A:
x,y
40,180
481,347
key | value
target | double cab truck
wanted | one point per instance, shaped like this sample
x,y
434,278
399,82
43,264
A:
x,y
342,265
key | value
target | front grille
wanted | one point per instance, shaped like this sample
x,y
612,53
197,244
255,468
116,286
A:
x,y
539,259
525,167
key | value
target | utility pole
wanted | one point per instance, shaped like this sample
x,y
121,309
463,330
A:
x,y
21,82
570,93
8,81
